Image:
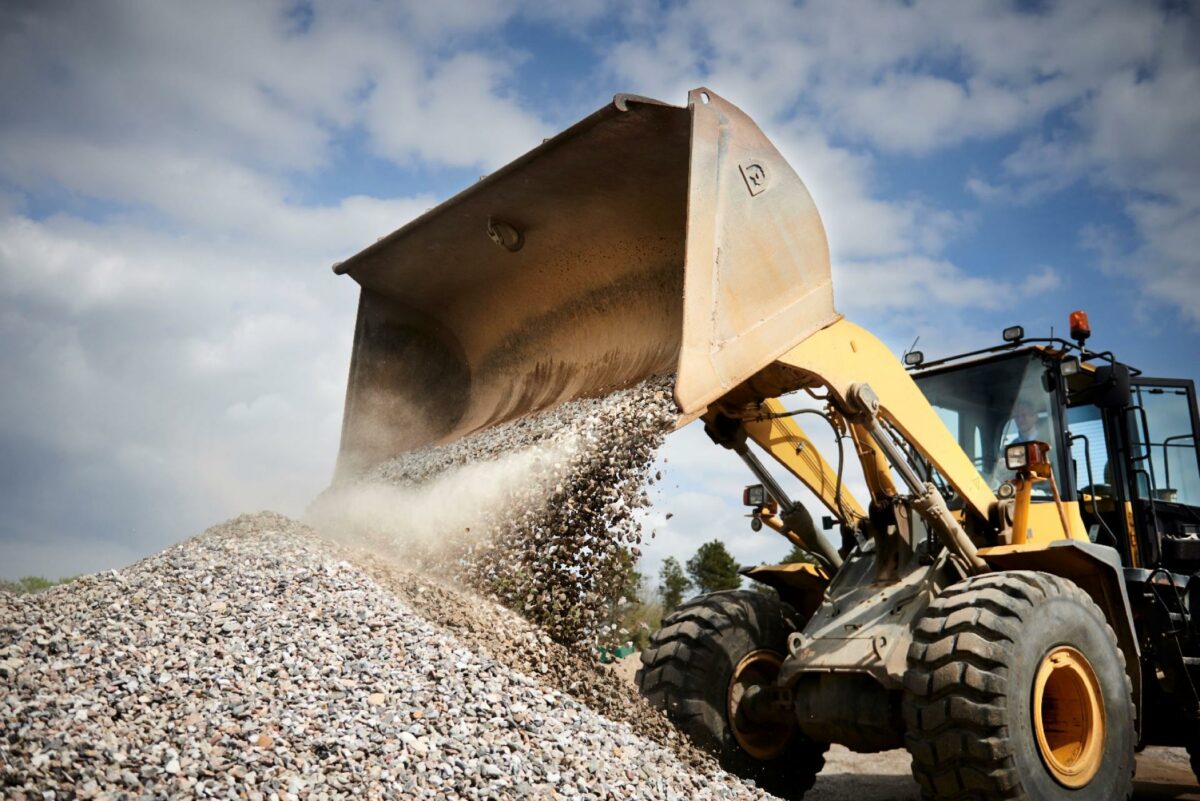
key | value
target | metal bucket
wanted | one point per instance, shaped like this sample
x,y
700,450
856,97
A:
x,y
644,240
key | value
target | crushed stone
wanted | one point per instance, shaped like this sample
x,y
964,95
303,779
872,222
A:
x,y
522,646
254,661
557,536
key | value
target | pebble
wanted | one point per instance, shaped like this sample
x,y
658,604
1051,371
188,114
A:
x,y
556,546
229,724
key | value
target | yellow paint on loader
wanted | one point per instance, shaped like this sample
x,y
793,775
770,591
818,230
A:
x,y
785,440
843,354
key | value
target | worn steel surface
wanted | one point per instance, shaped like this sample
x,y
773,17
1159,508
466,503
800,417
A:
x,y
865,621
646,239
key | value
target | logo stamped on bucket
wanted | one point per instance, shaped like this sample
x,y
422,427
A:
x,y
756,177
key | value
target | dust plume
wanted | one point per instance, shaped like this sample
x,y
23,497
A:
x,y
539,513
435,525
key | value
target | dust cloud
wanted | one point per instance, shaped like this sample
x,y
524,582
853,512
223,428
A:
x,y
539,513
435,525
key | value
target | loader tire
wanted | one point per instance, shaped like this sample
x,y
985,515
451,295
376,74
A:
x,y
689,669
1016,689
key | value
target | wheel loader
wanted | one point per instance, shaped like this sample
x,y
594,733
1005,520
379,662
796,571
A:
x,y
1013,603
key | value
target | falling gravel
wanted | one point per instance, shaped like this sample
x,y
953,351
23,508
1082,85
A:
x,y
254,661
539,513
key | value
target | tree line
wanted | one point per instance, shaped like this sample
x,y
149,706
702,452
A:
x,y
642,605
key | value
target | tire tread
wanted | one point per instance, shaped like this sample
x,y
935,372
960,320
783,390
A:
x,y
955,686
685,660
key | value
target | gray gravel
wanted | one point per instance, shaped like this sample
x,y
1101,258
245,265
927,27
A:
x,y
539,513
522,646
254,661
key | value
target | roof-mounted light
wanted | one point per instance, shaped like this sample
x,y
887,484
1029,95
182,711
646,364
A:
x,y
1081,329
914,358
1014,333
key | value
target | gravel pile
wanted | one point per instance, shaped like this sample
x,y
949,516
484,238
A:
x,y
539,512
522,646
253,661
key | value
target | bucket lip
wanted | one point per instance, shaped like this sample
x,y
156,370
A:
x,y
621,103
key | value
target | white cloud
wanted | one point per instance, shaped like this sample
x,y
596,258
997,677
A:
x,y
918,113
181,353
172,106
40,266
439,115
193,377
915,282
1164,262
763,57
1129,128
1045,279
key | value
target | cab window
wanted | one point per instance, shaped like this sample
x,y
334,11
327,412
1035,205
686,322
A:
x,y
992,404
1089,451
1165,459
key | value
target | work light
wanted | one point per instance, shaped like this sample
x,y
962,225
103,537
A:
x,y
1025,454
754,495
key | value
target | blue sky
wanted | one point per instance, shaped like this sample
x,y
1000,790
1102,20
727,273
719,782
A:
x,y
176,179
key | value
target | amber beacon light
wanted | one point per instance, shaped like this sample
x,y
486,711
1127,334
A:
x,y
1081,329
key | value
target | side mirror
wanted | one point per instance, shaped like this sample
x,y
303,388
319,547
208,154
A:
x,y
1109,388
1112,387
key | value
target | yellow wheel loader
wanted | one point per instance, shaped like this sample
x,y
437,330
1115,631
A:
x,y
1014,603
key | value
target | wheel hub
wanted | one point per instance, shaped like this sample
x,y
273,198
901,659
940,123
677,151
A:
x,y
1068,717
762,740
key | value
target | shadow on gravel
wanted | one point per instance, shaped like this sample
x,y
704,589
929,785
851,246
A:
x,y
1162,775
1165,773
880,787
1157,791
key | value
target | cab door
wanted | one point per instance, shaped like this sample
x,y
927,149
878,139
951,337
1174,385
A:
x,y
1163,470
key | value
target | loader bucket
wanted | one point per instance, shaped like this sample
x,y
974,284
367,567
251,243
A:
x,y
644,240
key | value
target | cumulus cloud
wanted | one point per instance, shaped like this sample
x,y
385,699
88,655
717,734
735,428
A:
x,y
1044,279
184,381
915,281
178,346
1132,131
178,343
231,94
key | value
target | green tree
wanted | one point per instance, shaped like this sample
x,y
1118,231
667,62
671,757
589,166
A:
x,y
672,584
798,554
627,609
714,568
31,584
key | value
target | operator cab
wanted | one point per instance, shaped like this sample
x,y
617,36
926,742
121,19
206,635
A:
x,y
992,403
1123,447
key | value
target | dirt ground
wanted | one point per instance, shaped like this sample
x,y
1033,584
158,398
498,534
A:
x,y
1162,773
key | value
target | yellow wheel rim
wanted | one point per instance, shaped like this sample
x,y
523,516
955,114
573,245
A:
x,y
759,741
1068,717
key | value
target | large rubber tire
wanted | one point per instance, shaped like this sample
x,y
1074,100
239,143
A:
x,y
687,669
969,690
